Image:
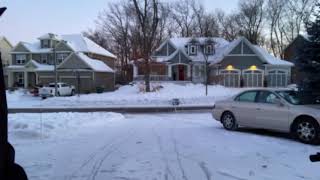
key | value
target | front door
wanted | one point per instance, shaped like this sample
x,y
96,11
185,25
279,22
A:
x,y
181,69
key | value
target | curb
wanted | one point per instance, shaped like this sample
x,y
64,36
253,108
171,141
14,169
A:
x,y
111,109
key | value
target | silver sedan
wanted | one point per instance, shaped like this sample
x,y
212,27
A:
x,y
272,109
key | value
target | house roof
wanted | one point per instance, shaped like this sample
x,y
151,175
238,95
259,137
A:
x,y
96,65
93,64
40,67
222,49
5,39
77,42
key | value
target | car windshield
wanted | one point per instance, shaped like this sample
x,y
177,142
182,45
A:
x,y
299,97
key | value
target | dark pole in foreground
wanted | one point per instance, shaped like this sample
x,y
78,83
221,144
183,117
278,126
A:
x,y
3,120
9,170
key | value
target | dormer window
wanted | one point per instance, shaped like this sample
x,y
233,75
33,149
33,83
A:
x,y
193,50
45,43
209,49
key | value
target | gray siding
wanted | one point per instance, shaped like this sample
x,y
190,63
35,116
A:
x,y
74,62
242,62
62,47
105,80
237,49
247,49
180,58
20,48
166,50
242,48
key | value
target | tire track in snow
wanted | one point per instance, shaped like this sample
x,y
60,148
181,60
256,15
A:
x,y
205,170
112,148
177,152
92,156
164,158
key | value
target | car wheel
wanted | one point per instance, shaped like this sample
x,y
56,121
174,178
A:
x,y
307,131
229,121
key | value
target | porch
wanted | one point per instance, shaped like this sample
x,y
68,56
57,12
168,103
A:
x,y
164,72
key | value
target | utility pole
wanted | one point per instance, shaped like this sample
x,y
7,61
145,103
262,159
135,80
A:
x,y
205,55
55,71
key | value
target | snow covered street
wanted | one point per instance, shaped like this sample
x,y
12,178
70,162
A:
x,y
186,146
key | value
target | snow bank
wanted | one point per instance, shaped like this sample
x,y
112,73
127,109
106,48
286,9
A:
x,y
189,94
30,126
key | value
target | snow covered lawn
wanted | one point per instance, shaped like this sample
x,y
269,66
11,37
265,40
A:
x,y
189,94
178,146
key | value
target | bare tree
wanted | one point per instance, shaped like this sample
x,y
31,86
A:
x,y
184,17
205,23
286,19
147,17
251,17
228,25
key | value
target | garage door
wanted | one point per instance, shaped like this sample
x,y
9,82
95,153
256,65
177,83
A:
x,y
85,82
253,78
277,78
230,78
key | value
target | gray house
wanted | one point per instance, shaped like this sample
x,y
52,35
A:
x,y
76,57
233,64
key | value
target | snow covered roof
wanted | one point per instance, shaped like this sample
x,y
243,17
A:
x,y
271,59
77,43
35,47
40,67
96,65
49,36
222,49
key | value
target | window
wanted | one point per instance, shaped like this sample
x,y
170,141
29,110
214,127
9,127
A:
x,y
193,49
267,97
21,58
209,49
61,57
199,70
44,58
247,96
45,43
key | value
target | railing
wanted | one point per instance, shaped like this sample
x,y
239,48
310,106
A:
x,y
153,78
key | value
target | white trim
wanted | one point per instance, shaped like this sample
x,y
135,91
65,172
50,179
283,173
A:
x,y
41,77
243,55
250,75
225,73
72,77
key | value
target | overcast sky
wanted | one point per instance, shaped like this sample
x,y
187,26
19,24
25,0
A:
x,y
25,20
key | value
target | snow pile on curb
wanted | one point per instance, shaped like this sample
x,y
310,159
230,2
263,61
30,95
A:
x,y
130,95
189,94
29,126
